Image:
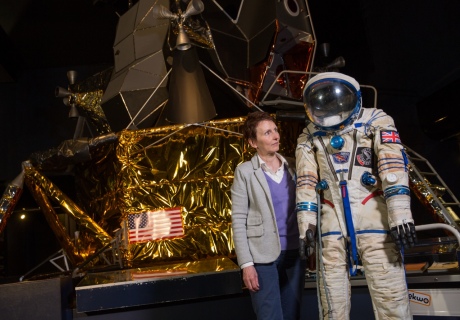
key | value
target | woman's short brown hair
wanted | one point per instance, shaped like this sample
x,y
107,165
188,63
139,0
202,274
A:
x,y
251,123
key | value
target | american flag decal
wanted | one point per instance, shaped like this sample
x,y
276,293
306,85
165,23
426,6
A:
x,y
389,136
155,225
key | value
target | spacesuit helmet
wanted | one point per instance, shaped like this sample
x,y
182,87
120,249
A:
x,y
332,100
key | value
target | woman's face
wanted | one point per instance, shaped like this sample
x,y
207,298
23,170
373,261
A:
x,y
268,138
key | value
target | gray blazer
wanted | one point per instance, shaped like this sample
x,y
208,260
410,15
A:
x,y
255,233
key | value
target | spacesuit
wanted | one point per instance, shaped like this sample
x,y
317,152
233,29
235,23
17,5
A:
x,y
351,160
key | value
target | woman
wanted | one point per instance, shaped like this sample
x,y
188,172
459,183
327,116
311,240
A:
x,y
264,224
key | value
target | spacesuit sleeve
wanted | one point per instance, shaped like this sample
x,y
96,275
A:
x,y
307,178
392,168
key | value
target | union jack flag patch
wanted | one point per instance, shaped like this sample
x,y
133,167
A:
x,y
389,136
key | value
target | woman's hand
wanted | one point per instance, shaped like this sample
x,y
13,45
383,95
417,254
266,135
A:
x,y
250,279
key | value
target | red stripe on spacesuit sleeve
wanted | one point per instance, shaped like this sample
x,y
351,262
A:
x,y
372,195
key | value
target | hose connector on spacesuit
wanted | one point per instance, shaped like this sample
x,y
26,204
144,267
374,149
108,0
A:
x,y
367,179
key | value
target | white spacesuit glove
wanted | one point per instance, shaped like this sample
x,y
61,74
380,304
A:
x,y
402,228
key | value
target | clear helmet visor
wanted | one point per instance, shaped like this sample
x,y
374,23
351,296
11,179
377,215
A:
x,y
331,102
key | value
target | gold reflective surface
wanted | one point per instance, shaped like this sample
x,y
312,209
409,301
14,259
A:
x,y
89,104
188,166
182,269
44,191
427,193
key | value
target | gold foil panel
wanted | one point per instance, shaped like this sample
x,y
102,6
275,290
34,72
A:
x,y
54,223
421,189
88,95
182,269
89,103
42,189
187,166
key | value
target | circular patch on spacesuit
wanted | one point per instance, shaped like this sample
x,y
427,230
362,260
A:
x,y
364,157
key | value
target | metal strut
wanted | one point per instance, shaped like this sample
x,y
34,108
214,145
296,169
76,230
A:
x,y
429,187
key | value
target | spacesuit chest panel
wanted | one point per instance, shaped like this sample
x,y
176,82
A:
x,y
348,163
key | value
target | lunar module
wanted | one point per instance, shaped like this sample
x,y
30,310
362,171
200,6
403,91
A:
x,y
156,141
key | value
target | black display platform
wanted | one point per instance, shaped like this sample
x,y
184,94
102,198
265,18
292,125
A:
x,y
159,284
202,290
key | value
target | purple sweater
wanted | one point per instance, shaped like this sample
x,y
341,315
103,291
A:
x,y
283,199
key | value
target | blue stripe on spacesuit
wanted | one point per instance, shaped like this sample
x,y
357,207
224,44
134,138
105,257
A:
x,y
388,161
406,161
396,190
391,160
393,167
331,233
339,233
373,231
308,180
319,134
353,251
385,164
307,206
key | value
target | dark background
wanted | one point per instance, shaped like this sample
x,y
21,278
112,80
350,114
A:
x,y
408,50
